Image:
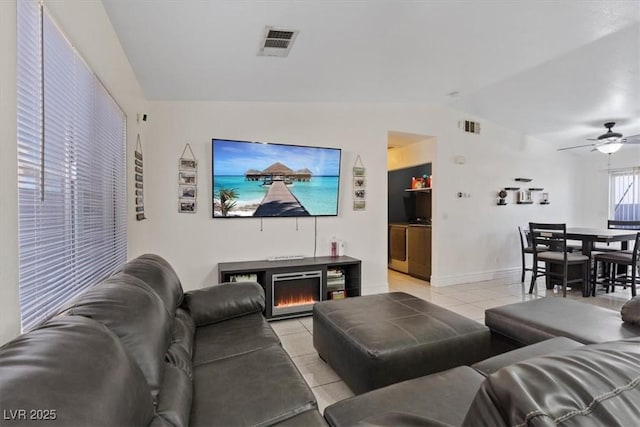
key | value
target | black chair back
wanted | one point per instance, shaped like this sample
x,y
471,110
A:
x,y
623,225
553,236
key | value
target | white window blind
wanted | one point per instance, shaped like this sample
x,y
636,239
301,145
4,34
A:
x,y
624,194
71,170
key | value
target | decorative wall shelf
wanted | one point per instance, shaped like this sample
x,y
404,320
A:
x,y
512,188
525,203
536,189
523,179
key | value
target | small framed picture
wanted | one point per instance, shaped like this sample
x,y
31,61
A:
x,y
140,216
139,201
138,177
186,206
138,169
359,182
139,208
359,205
359,194
187,192
139,185
187,178
358,171
139,192
138,155
188,164
138,162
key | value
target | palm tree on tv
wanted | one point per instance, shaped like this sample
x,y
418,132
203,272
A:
x,y
227,198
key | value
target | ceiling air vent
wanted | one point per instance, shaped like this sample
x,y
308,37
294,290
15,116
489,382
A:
x,y
469,126
277,41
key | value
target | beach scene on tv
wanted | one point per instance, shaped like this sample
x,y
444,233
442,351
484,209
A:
x,y
253,179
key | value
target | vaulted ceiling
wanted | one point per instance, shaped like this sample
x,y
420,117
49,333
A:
x,y
553,69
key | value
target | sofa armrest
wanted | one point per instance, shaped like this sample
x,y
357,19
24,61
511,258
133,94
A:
x,y
224,301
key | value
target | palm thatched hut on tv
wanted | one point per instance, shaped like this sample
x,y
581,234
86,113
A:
x,y
278,172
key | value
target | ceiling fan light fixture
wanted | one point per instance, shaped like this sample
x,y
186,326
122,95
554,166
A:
x,y
609,148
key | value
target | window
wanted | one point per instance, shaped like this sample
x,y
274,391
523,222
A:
x,y
71,170
624,194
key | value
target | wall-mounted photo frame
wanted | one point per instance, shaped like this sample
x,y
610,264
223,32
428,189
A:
x,y
186,206
187,181
188,164
359,184
187,191
139,180
187,178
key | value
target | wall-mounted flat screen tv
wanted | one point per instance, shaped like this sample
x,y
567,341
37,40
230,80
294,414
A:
x,y
255,179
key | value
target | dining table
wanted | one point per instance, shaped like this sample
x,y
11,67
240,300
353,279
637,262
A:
x,y
589,236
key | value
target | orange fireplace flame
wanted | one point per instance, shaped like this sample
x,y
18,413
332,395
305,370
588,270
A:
x,y
295,300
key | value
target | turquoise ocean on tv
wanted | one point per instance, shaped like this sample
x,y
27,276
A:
x,y
319,196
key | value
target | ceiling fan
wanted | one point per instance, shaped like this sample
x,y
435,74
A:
x,y
609,142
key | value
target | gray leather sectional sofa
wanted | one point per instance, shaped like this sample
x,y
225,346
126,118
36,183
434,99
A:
x,y
552,381
135,351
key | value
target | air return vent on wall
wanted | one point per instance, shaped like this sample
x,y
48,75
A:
x,y
277,41
469,126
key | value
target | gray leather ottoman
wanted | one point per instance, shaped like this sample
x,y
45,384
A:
x,y
376,340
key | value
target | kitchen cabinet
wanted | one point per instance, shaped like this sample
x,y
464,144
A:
x,y
419,251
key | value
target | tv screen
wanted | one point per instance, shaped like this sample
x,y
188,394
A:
x,y
254,179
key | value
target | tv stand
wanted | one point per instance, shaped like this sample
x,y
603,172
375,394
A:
x,y
263,272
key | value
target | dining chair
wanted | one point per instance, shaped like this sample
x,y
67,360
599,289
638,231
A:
x,y
526,248
556,257
619,262
605,270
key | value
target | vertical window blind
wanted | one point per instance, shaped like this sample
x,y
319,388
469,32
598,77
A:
x,y
624,194
71,170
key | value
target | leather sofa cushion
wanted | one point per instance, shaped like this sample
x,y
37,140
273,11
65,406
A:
x,y
174,402
224,301
533,321
593,385
310,418
233,337
76,367
136,314
630,311
488,366
258,388
156,272
183,331
443,397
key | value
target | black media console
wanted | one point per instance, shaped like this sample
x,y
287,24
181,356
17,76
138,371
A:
x,y
291,287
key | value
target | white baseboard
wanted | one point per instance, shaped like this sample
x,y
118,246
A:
x,y
381,288
458,279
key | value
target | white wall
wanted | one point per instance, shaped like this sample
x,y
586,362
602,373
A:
x,y
89,29
195,243
9,308
474,239
413,154
593,193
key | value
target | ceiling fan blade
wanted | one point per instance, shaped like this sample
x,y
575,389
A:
x,y
592,139
633,139
577,146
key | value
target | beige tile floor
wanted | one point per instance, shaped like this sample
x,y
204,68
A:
x,y
469,300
